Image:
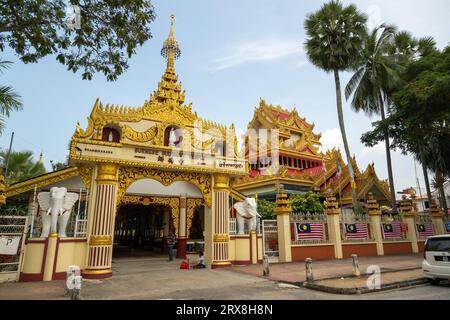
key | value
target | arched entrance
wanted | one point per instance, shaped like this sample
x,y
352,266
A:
x,y
148,210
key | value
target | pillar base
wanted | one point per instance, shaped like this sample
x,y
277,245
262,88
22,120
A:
x,y
96,273
181,249
220,264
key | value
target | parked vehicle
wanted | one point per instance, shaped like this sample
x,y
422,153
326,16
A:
x,y
436,254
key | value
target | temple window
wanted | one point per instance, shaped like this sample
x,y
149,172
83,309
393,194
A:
x,y
290,162
220,148
172,136
110,135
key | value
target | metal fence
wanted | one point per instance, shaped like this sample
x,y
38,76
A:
x,y
233,229
270,239
13,230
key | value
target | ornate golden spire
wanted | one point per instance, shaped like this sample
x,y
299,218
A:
x,y
171,49
169,89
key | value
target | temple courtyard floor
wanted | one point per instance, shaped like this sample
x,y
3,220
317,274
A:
x,y
157,278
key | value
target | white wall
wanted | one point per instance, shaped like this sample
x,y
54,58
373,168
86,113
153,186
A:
x,y
153,187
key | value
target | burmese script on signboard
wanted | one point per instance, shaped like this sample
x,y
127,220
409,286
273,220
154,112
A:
x,y
170,157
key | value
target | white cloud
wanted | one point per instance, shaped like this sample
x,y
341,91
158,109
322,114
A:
x,y
264,50
330,139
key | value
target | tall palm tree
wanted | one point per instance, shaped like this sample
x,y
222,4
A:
x,y
334,39
376,72
9,99
21,166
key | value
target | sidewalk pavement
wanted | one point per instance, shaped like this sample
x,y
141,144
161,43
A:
x,y
294,272
358,285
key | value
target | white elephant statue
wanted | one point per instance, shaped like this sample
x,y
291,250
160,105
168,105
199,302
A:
x,y
246,211
56,207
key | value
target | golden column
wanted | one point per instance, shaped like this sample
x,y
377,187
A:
x,y
375,222
334,230
409,217
437,218
100,239
221,221
283,210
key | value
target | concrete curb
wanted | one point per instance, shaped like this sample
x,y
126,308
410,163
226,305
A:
x,y
362,290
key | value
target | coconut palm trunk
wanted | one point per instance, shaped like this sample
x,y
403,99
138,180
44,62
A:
x,y
388,161
344,136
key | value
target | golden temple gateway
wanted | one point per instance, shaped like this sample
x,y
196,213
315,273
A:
x,y
143,173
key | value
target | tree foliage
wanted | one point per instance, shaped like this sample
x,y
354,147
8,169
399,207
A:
x,y
306,202
109,33
9,99
21,166
419,121
334,36
265,209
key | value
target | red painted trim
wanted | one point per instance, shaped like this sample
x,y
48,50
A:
x,y
44,257
27,241
181,249
251,249
56,258
72,240
26,277
59,275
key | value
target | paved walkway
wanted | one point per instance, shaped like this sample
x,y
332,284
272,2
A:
x,y
157,278
295,272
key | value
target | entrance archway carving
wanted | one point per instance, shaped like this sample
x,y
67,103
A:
x,y
191,205
128,175
171,202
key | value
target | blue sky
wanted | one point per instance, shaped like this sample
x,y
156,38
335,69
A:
x,y
233,53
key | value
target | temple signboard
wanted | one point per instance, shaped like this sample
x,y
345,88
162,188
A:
x,y
155,156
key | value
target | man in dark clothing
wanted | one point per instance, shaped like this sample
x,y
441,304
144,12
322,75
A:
x,y
170,244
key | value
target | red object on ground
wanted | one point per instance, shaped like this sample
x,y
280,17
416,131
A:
x,y
184,265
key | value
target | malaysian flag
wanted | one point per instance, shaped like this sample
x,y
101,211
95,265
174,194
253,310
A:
x,y
425,230
391,230
357,231
308,231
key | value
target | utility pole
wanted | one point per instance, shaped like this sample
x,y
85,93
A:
x,y
7,156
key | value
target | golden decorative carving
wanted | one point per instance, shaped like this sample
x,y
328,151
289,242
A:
x,y
136,136
192,204
127,175
41,181
86,173
106,173
283,207
218,237
104,240
221,181
172,202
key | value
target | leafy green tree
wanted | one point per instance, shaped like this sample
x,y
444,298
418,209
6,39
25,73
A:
x,y
306,202
419,122
375,74
265,209
334,39
108,34
21,166
9,99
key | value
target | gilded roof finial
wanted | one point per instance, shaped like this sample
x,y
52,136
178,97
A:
x,y
171,49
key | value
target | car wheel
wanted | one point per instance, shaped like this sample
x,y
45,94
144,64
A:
x,y
434,281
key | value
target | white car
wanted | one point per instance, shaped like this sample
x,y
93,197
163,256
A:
x,y
436,254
